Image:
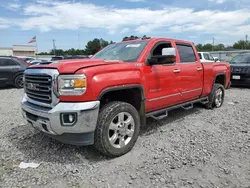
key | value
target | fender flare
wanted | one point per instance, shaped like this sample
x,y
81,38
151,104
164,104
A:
x,y
142,111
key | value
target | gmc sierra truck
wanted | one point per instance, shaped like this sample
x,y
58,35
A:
x,y
104,100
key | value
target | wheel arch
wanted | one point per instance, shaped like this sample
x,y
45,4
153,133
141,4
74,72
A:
x,y
220,78
126,93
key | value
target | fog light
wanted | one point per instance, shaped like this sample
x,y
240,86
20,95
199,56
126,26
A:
x,y
68,119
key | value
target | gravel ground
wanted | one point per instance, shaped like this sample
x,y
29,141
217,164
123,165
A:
x,y
196,148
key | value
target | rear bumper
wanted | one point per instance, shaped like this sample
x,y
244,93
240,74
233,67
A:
x,y
49,121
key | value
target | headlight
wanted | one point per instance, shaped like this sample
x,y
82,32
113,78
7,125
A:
x,y
72,84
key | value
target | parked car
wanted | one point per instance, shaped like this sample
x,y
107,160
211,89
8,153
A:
x,y
37,61
207,57
57,58
11,71
104,100
240,69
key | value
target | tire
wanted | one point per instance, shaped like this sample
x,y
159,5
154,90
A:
x,y
19,81
213,103
104,133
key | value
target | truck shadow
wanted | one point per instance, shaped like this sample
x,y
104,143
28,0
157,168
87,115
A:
x,y
36,147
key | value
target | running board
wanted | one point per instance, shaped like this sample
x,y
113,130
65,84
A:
x,y
188,107
163,113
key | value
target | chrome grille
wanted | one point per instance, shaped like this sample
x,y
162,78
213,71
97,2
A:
x,y
38,87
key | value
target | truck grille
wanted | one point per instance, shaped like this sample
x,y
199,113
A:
x,y
241,70
38,87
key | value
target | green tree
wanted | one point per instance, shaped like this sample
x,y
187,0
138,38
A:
x,y
207,47
95,45
241,44
132,37
199,47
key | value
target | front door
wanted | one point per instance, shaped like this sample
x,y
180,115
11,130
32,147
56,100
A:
x,y
161,81
7,66
191,72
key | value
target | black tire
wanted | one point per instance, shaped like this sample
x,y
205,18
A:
x,y
107,114
19,81
212,97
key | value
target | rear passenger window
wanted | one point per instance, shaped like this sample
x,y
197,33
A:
x,y
186,53
7,62
206,56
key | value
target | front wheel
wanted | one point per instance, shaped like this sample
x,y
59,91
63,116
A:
x,y
19,81
216,97
117,129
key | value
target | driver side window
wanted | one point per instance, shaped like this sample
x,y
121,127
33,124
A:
x,y
157,53
159,47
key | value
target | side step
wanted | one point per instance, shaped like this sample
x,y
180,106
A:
x,y
160,115
188,107
163,113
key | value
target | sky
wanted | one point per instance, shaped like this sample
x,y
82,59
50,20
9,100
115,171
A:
x,y
72,23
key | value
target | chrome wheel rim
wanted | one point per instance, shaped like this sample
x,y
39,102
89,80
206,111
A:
x,y
121,130
218,97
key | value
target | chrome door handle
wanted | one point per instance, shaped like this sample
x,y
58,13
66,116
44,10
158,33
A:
x,y
199,69
176,70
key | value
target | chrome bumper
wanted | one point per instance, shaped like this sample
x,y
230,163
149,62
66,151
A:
x,y
49,120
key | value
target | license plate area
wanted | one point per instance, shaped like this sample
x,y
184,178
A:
x,y
236,77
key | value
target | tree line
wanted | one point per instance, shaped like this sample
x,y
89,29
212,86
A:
x,y
95,45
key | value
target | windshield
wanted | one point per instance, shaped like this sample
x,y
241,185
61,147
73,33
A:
x,y
241,59
126,51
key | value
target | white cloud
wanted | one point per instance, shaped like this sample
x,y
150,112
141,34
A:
x,y
135,1
13,6
4,24
219,1
48,15
125,30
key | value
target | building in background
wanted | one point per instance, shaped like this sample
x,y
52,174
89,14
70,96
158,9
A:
x,y
19,50
6,51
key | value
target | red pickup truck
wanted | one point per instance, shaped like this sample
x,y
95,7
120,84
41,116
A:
x,y
104,100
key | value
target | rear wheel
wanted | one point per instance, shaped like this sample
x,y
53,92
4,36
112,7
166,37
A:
x,y
19,81
216,97
117,129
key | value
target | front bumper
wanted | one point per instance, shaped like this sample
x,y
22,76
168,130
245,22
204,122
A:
x,y
49,120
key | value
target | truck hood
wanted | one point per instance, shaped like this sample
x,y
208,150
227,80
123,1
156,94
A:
x,y
71,66
241,65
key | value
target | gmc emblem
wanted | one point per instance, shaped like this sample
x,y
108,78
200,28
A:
x,y
32,86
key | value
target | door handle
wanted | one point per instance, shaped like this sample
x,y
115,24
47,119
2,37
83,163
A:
x,y
176,70
199,69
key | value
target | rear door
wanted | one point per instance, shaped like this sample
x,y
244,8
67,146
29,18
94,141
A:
x,y
162,81
191,72
8,67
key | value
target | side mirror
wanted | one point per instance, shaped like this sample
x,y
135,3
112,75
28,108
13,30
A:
x,y
216,59
168,56
169,52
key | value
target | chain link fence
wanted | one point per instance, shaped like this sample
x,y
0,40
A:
x,y
227,55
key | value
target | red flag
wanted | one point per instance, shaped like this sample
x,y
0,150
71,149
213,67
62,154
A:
x,y
32,40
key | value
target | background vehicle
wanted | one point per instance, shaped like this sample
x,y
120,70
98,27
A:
x,y
56,58
104,100
37,61
11,71
207,57
240,69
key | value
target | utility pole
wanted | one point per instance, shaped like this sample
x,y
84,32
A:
x,y
54,46
78,39
246,42
213,45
